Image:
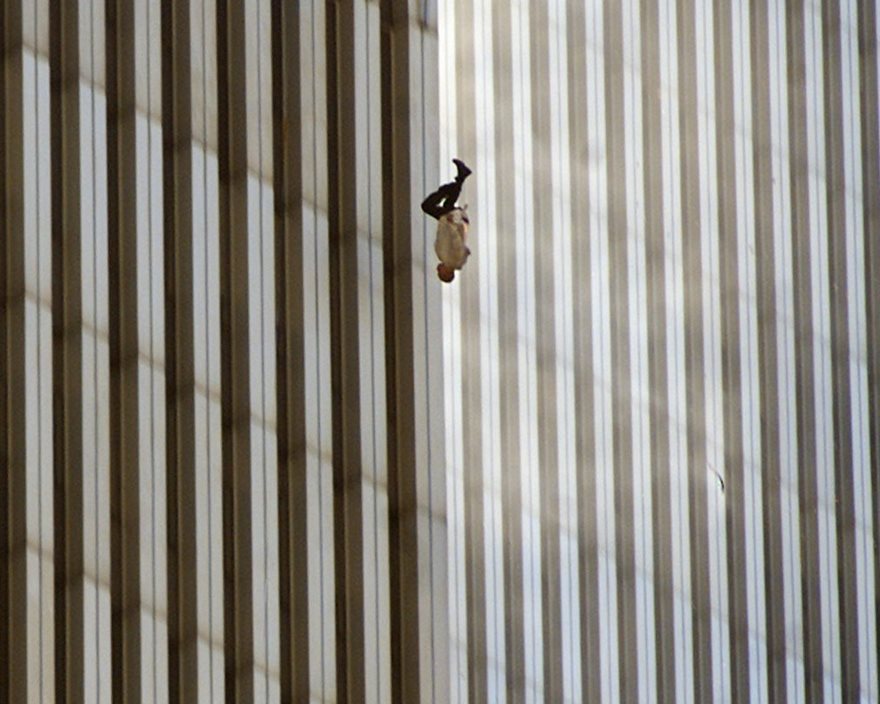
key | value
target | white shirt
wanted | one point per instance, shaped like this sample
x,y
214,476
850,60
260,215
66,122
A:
x,y
450,243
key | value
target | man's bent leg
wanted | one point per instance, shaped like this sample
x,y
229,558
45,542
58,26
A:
x,y
442,200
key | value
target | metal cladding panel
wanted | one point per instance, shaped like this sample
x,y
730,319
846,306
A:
x,y
672,226
253,449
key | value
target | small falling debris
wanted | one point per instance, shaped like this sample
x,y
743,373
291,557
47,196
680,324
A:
x,y
720,478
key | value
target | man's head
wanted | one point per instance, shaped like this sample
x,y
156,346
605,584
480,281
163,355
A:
x,y
445,273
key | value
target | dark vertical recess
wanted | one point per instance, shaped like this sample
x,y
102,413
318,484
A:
x,y
334,222
343,132
585,424
695,369
287,122
67,407
14,631
803,324
177,188
768,350
508,293
870,151
402,161
733,471
844,466
658,350
125,597
620,352
397,305
472,402
238,620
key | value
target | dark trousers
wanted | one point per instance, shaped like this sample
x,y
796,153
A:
x,y
442,200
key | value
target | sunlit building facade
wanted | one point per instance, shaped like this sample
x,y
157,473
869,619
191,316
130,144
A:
x,y
252,450
663,398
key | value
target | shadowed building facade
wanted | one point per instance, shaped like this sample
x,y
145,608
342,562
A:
x,y
253,450
222,399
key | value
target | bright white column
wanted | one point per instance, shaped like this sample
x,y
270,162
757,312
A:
x,y
675,316
316,317
95,352
458,640
40,569
151,347
821,346
485,247
261,354
786,361
637,307
711,310
748,324
527,354
565,381
206,349
858,372
600,278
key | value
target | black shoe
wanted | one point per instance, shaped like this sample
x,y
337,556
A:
x,y
463,170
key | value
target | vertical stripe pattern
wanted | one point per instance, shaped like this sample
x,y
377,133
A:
x,y
253,450
678,202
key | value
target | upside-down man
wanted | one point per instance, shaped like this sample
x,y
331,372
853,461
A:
x,y
453,224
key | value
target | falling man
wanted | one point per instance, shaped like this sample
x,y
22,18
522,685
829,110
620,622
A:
x,y
453,224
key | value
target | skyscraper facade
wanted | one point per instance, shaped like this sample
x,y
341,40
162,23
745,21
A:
x,y
252,449
662,360
221,353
